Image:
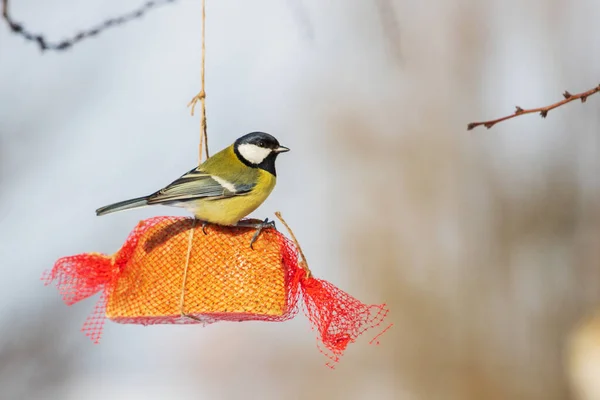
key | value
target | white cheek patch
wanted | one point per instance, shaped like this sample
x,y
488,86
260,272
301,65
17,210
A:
x,y
253,154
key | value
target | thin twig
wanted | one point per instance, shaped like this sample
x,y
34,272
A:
x,y
202,95
304,263
43,44
542,110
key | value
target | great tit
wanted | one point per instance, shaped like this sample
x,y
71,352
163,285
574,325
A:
x,y
225,188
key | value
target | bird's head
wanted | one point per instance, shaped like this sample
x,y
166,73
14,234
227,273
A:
x,y
259,150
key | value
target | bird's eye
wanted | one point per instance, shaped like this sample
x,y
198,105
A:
x,y
262,143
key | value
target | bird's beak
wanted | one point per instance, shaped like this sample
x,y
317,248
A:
x,y
281,149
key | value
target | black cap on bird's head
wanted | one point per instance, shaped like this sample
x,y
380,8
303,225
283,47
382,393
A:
x,y
259,150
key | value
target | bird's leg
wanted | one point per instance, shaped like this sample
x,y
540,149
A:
x,y
204,223
259,228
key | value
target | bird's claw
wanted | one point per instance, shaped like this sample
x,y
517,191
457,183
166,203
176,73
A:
x,y
259,228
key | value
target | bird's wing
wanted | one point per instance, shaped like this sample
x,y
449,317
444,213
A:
x,y
198,184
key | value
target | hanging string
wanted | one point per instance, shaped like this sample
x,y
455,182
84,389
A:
x,y
203,144
185,273
303,262
201,97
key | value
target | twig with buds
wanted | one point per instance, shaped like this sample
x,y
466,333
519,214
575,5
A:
x,y
542,110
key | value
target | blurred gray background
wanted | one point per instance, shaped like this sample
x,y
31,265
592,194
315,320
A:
x,y
483,243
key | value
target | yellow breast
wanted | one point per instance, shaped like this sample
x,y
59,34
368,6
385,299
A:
x,y
229,211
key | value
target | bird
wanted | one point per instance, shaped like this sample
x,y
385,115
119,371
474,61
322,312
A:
x,y
223,189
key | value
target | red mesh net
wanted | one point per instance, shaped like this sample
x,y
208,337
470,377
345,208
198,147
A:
x,y
170,271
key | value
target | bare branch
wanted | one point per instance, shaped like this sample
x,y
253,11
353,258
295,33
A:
x,y
568,97
43,44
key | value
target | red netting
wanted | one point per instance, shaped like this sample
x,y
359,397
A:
x,y
338,317
157,278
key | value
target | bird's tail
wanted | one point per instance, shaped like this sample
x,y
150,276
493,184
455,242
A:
x,y
123,205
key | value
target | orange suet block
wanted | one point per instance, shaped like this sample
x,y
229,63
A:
x,y
223,276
